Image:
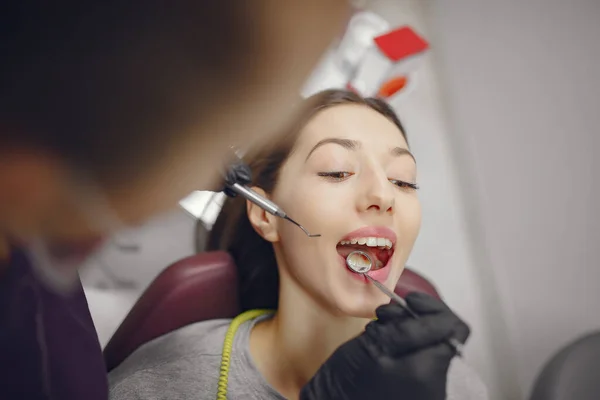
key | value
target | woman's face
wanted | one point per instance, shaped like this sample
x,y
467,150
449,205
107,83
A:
x,y
352,179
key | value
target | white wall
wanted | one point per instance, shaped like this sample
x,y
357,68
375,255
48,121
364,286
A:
x,y
524,99
443,251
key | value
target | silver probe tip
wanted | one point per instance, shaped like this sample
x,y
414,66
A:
x,y
301,227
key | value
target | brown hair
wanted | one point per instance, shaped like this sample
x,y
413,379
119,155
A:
x,y
232,232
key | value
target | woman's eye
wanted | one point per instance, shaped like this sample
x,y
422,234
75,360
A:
x,y
336,175
343,175
404,185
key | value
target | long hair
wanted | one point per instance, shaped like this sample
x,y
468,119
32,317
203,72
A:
x,y
232,231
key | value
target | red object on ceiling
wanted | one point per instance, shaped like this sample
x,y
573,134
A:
x,y
401,43
393,86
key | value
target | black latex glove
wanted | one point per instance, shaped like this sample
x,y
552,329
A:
x,y
397,357
237,173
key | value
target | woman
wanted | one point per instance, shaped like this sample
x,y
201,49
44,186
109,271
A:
x,y
345,172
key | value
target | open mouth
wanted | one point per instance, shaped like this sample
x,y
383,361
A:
x,y
379,249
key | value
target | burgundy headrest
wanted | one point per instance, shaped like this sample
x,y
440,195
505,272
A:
x,y
410,281
197,288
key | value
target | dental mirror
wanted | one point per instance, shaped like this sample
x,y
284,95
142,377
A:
x,y
359,262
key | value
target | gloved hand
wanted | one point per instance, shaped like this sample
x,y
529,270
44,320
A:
x,y
237,173
396,357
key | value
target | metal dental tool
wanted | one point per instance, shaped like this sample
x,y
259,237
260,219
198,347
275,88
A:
x,y
266,205
361,263
236,179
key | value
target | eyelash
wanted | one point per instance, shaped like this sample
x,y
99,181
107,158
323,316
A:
x,y
339,176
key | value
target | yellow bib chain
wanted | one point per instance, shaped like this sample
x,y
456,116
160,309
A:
x,y
228,345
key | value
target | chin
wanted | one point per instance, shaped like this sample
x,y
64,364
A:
x,y
363,306
357,297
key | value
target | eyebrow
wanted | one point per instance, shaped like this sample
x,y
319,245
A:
x,y
345,143
354,144
401,151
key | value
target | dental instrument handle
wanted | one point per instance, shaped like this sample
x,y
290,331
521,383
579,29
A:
x,y
266,205
455,344
259,200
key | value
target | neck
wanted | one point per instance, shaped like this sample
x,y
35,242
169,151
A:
x,y
289,348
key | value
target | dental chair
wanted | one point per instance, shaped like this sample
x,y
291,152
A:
x,y
573,373
197,288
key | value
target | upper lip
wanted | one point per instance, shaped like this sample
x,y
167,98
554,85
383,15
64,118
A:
x,y
372,231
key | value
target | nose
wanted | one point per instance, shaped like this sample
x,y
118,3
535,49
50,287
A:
x,y
376,194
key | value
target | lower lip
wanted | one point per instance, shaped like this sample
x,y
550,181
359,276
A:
x,y
380,274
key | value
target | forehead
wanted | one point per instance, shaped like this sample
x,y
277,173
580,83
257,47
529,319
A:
x,y
351,121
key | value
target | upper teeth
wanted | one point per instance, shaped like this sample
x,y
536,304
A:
x,y
370,241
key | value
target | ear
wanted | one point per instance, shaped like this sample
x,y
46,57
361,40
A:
x,y
264,224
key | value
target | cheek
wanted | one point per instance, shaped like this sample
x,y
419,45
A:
x,y
413,219
409,222
299,259
320,212
316,207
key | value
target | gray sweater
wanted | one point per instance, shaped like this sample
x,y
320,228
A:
x,y
185,365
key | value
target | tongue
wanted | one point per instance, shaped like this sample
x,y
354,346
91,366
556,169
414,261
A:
x,y
376,254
